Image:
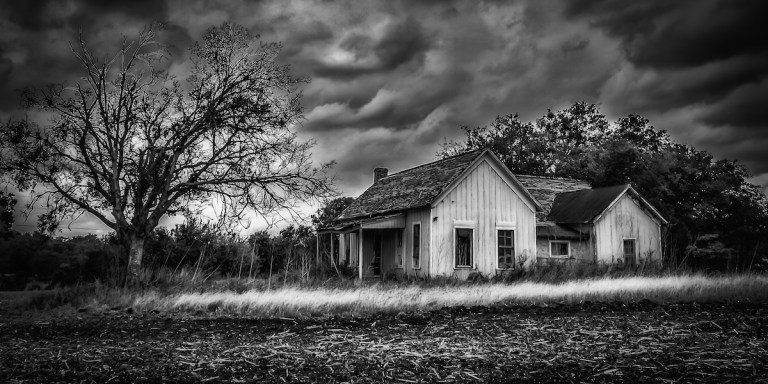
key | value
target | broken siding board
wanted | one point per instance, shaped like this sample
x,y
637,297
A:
x,y
625,220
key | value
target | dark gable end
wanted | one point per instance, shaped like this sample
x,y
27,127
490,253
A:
x,y
411,188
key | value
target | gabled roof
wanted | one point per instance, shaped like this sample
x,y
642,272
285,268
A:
x,y
411,188
586,206
544,189
420,186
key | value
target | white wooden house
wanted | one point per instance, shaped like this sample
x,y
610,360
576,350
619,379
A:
x,y
452,217
468,213
596,225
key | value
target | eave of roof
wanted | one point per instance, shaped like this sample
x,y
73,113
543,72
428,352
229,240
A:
x,y
411,188
550,230
421,186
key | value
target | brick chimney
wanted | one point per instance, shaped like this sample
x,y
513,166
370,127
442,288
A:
x,y
379,173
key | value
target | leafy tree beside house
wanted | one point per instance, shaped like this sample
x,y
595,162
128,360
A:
x,y
7,205
703,198
130,144
330,211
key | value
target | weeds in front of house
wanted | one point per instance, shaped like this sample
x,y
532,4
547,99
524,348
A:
x,y
286,298
290,301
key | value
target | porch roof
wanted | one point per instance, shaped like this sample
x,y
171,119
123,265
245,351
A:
x,y
396,220
553,230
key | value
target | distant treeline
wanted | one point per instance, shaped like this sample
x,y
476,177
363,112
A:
x,y
36,261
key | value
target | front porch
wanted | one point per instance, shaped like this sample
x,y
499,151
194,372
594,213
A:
x,y
373,246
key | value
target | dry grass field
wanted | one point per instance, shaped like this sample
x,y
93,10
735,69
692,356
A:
x,y
597,342
664,330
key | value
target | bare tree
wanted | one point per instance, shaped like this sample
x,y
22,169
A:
x,y
128,143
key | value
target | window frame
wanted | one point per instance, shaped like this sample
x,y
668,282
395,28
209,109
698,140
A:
x,y
413,243
568,256
464,225
501,226
634,248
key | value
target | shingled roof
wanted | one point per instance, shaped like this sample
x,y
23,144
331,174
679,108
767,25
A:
x,y
411,188
544,189
587,205
584,206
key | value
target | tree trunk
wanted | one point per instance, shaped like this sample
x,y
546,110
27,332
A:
x,y
135,255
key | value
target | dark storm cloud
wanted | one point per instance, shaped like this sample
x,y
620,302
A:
x,y
673,34
35,38
703,65
391,79
83,14
389,108
678,35
6,67
401,42
744,108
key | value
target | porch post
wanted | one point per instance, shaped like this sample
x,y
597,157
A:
x,y
331,255
360,253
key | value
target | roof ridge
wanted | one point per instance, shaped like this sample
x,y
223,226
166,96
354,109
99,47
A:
x,y
432,162
623,186
551,177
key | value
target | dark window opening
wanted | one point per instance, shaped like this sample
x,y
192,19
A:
x,y
416,245
506,251
560,249
463,247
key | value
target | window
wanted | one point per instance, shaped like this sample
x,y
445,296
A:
x,y
629,251
399,249
416,245
560,249
506,249
463,247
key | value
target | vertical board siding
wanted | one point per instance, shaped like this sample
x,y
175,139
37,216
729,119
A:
x,y
414,216
483,198
627,220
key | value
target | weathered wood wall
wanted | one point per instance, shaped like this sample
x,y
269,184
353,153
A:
x,y
415,216
581,250
485,199
626,219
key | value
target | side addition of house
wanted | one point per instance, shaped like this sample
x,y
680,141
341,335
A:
x,y
463,214
610,225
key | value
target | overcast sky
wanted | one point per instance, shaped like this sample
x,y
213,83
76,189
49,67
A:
x,y
392,79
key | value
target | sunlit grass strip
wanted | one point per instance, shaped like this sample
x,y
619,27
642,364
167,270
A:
x,y
381,298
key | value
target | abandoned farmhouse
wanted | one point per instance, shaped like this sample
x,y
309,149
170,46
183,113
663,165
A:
x,y
468,213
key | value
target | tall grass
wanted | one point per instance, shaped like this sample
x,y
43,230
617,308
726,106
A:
x,y
296,301
251,297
